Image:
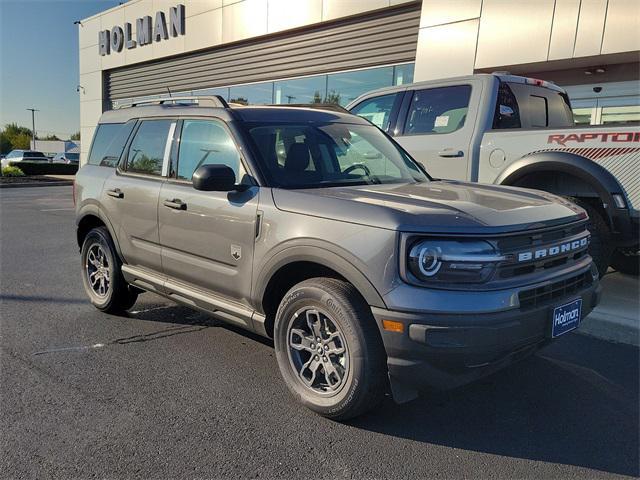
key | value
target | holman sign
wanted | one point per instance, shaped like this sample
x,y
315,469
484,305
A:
x,y
147,31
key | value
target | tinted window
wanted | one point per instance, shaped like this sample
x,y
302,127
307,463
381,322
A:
x,y
507,113
34,154
205,142
72,156
312,156
343,88
377,110
256,94
108,143
146,152
438,110
538,111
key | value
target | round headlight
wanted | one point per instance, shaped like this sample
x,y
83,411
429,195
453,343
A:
x,y
429,261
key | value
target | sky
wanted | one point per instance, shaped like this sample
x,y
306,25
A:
x,y
39,62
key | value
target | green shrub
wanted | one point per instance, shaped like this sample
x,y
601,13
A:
x,y
12,171
40,168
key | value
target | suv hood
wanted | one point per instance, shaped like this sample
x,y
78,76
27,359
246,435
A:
x,y
437,206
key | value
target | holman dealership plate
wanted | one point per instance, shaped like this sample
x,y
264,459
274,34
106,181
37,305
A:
x,y
566,317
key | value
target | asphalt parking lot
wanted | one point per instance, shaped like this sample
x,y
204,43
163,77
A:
x,y
170,393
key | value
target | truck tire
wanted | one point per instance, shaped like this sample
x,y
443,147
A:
x,y
329,349
626,262
101,274
600,247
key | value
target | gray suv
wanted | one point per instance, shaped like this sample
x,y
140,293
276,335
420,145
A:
x,y
314,228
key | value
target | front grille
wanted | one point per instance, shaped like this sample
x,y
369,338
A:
x,y
512,246
540,296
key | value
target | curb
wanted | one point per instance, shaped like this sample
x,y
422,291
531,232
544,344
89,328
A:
x,y
61,183
612,328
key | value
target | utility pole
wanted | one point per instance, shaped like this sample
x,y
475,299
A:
x,y
33,127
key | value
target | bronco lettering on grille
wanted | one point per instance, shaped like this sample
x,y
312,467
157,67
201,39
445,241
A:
x,y
553,251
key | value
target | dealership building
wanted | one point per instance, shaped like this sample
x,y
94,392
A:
x,y
302,51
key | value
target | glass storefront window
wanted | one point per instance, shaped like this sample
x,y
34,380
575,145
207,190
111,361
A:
x,y
343,88
301,90
582,116
223,92
403,74
622,114
256,94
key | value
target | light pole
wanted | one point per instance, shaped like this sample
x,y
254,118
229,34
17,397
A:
x,y
33,126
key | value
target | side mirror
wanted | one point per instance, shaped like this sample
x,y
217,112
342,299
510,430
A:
x,y
214,178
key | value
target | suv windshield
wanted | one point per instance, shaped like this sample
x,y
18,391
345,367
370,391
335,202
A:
x,y
333,154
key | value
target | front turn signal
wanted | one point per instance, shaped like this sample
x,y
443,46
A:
x,y
393,326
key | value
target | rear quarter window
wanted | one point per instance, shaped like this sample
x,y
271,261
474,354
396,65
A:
x,y
108,143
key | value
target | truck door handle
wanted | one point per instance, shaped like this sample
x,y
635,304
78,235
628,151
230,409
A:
x,y
450,153
176,204
115,193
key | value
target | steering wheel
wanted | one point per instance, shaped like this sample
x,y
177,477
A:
x,y
361,166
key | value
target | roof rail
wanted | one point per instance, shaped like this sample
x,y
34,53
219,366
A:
x,y
317,106
201,100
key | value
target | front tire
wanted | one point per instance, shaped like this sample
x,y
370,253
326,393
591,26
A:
x,y
329,350
101,274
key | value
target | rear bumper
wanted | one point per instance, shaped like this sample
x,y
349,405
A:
x,y
443,351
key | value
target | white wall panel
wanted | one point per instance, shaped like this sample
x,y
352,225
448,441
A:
x,y
446,50
513,32
204,30
89,60
285,14
563,30
341,8
88,33
590,28
622,30
196,7
438,12
245,19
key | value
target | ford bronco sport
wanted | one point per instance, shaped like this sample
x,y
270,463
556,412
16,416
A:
x,y
314,228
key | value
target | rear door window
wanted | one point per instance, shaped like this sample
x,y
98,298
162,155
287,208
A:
x,y
377,109
108,143
149,147
438,110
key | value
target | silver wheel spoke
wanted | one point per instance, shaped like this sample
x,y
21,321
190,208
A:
x,y
332,375
313,320
299,340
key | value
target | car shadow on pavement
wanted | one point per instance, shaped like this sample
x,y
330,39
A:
x,y
574,403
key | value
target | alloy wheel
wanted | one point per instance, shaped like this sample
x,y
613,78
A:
x,y
97,269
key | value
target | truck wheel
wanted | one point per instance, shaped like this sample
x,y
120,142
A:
x,y
329,349
627,262
600,247
101,274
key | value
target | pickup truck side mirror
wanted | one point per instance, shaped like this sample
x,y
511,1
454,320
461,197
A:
x,y
214,178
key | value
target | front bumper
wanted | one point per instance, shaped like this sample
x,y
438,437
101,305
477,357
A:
x,y
447,350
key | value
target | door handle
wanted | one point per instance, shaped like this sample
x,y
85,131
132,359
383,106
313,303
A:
x,y
450,153
115,193
176,204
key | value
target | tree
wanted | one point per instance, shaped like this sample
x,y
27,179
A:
x,y
317,98
75,136
50,137
15,136
332,97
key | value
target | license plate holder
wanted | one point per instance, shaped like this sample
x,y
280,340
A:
x,y
566,317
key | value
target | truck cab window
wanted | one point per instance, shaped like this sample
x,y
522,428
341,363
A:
x,y
438,110
507,113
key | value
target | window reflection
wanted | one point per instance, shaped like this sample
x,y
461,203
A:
x,y
223,92
343,88
256,94
301,90
403,74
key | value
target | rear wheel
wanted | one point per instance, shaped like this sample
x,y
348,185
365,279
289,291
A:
x,y
329,350
600,247
101,274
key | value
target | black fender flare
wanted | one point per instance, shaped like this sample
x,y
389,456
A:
x,y
322,255
602,181
95,211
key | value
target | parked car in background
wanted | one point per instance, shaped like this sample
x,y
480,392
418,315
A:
x,y
24,156
511,130
67,157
